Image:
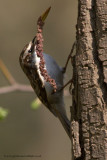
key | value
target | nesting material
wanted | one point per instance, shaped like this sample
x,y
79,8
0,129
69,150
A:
x,y
39,51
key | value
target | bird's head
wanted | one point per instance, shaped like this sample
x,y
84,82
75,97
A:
x,y
26,56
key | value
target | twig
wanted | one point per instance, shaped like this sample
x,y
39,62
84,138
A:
x,y
70,56
16,87
6,73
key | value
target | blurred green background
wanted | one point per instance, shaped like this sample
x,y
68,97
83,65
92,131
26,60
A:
x,y
24,131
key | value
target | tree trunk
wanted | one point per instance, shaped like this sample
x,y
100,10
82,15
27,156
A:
x,y
89,108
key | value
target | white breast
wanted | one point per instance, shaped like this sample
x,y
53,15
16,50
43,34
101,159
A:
x,y
37,61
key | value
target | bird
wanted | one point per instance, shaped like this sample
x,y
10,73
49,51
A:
x,y
45,75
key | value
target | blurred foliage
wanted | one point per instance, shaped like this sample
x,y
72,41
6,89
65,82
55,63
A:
x,y
3,113
35,104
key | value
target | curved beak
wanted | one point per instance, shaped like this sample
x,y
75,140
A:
x,y
45,14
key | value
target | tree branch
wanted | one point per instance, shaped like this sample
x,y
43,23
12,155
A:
x,y
90,81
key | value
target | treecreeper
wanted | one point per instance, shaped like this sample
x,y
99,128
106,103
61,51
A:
x,y
45,75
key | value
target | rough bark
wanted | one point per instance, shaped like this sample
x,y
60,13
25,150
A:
x,y
89,109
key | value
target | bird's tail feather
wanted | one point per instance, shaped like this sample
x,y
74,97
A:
x,y
65,123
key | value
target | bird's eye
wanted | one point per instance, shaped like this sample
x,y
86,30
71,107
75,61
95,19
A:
x,y
30,50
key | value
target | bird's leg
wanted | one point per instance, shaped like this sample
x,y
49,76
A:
x,y
69,57
69,82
